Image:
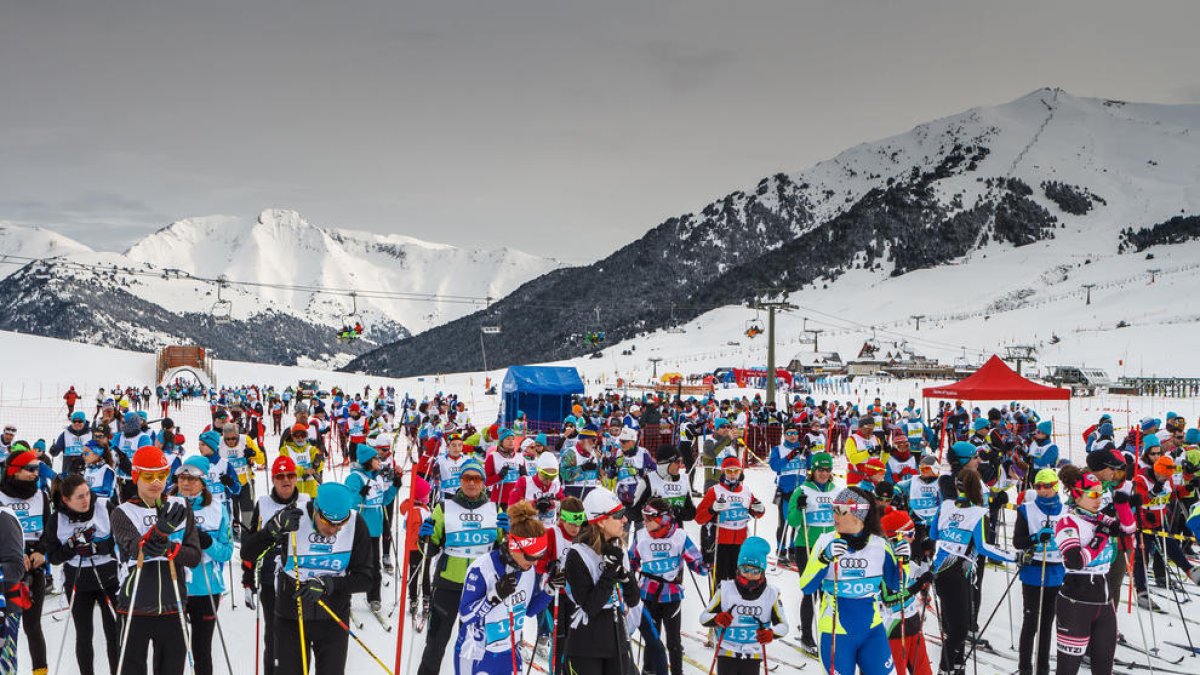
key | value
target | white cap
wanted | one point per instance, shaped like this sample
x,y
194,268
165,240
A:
x,y
599,503
547,462
635,408
528,442
627,434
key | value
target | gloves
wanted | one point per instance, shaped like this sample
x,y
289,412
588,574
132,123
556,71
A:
x,y
589,465
287,520
756,508
248,453
999,499
1044,537
18,595
504,472
171,519
1107,525
764,635
364,491
205,538
801,500
314,589
153,547
397,479
724,619
557,579
251,597
613,565
502,522
719,505
505,586
426,528
902,549
836,549
1135,501
1120,497
544,504
227,481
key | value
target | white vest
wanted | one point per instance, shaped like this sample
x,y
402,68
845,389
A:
x,y
749,616
660,557
30,512
103,532
267,507
675,492
144,518
818,505
496,628
448,470
737,510
1040,521
956,529
924,498
316,554
208,519
469,533
860,573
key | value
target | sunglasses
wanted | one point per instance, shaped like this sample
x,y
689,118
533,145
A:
x,y
472,478
617,514
285,476
791,433
847,509
30,468
1046,486
1091,494
188,476
151,476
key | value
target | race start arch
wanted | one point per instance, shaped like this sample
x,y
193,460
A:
x,y
174,360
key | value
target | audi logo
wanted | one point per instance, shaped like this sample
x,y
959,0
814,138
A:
x,y
747,610
470,517
199,519
517,598
150,520
659,546
824,500
317,538
956,517
18,506
853,563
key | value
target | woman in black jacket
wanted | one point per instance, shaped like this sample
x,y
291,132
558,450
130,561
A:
x,y
20,496
79,537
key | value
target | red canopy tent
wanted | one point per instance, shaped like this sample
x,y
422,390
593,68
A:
x,y
995,381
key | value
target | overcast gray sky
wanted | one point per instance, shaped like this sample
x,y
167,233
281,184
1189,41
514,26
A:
x,y
561,127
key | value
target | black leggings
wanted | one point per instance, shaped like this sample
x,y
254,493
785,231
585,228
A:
x,y
952,585
203,621
580,665
1089,628
31,619
327,646
732,665
1029,625
808,601
165,632
443,613
1151,551
83,607
667,648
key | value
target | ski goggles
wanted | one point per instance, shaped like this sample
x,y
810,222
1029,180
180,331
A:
x,y
1046,486
849,509
187,471
470,478
650,512
749,570
616,514
160,475
1091,493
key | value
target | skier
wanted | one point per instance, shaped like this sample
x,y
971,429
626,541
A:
x,y
501,588
960,530
325,559
259,572
852,631
205,582
155,536
70,443
860,447
579,465
306,455
668,482
464,528
222,477
79,537
373,492
98,471
19,494
571,517
1041,568
602,591
503,466
1086,615
902,614
241,450
125,443
632,462
542,488
810,514
448,465
731,505
658,553
747,613
787,460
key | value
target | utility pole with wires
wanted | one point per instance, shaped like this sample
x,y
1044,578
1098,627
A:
x,y
771,307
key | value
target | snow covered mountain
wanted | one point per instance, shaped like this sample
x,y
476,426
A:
x,y
163,288
1047,183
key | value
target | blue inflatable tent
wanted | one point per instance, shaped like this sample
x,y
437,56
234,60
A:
x,y
543,393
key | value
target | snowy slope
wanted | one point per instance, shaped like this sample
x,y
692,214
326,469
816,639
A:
x,y
281,248
32,242
947,219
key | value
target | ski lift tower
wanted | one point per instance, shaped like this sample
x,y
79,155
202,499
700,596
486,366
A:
x,y
1019,354
770,307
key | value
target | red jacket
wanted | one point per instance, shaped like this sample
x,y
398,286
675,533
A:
x,y
704,514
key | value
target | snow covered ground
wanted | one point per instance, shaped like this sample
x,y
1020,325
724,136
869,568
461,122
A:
x,y
37,371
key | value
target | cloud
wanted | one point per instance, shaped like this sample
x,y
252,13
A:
x,y
102,220
1189,93
685,67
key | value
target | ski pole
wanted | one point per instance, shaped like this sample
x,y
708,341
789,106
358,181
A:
x,y
322,605
717,651
300,607
187,637
833,638
137,577
553,633
1037,627
217,619
70,612
979,633
1162,549
512,641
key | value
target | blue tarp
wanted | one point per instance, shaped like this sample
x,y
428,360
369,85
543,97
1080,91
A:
x,y
543,393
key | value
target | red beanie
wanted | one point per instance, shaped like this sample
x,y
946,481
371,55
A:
x,y
148,458
895,522
20,459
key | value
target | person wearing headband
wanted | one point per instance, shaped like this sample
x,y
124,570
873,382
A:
x,y
501,589
850,615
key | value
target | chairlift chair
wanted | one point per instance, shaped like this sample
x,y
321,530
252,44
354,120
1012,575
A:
x,y
222,309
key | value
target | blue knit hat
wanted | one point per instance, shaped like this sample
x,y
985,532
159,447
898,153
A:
x,y
964,451
541,440
1105,430
754,553
78,416
212,439
1046,427
364,453
720,422
1149,423
335,501
1105,418
978,424
1191,437
1150,441
472,465
505,433
200,462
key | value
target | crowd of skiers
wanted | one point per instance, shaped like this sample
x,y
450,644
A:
x,y
884,514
